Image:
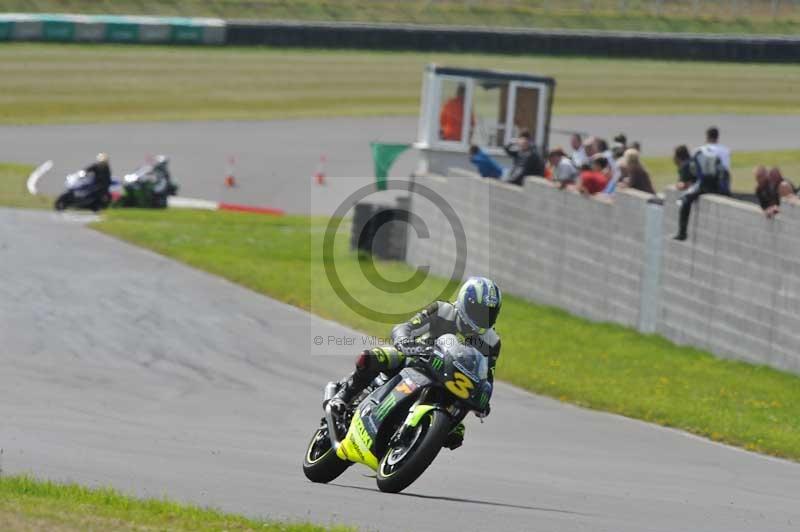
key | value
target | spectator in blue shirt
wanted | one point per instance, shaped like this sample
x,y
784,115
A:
x,y
487,166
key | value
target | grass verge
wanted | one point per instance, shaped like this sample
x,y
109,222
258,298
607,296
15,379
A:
x,y
545,350
44,83
27,504
12,188
703,17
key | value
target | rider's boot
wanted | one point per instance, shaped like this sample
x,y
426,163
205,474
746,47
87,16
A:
x,y
349,390
455,438
366,370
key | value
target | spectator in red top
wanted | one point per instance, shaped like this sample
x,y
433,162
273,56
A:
x,y
595,180
451,118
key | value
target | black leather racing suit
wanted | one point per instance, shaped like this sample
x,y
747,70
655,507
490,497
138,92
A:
x,y
422,329
102,176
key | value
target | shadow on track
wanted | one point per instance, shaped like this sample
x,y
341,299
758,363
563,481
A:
x,y
467,501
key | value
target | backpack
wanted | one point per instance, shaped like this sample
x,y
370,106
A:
x,y
706,165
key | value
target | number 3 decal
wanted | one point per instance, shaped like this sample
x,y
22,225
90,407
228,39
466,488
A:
x,y
460,386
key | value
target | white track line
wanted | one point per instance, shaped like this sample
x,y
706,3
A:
x,y
36,175
191,203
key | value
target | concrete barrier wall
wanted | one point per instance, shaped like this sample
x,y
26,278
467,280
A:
x,y
552,246
116,29
732,289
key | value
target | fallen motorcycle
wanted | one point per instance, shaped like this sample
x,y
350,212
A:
x,y
397,426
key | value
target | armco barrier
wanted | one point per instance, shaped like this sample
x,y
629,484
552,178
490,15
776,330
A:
x,y
733,288
115,29
515,41
87,28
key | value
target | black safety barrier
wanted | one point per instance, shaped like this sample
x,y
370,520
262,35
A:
x,y
510,41
368,221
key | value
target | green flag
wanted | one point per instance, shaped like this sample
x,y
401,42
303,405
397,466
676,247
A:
x,y
384,156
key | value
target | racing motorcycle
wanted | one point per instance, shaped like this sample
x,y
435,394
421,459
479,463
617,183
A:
x,y
145,188
83,192
397,426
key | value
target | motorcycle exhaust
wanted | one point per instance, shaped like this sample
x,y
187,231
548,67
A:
x,y
335,443
330,390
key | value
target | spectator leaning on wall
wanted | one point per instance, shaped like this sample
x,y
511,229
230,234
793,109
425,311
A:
x,y
595,180
486,166
526,157
766,192
579,156
562,168
682,160
633,172
709,174
602,149
786,190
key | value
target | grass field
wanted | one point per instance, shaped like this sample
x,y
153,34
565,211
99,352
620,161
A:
x,y
105,83
545,350
759,16
12,188
28,505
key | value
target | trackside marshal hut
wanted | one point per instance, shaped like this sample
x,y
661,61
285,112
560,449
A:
x,y
461,107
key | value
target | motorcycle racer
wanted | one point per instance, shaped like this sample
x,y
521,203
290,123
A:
x,y
471,317
101,170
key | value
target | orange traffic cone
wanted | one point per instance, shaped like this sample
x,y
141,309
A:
x,y
230,179
319,174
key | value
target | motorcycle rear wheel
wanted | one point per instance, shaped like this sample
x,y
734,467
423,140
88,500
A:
x,y
401,466
320,463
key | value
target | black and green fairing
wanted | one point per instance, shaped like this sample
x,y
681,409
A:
x,y
370,430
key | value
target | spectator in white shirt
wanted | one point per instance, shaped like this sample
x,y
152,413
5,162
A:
x,y
601,147
722,151
563,169
579,155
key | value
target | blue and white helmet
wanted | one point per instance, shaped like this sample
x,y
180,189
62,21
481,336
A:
x,y
477,305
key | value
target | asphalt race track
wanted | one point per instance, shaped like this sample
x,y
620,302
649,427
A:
x,y
275,160
122,367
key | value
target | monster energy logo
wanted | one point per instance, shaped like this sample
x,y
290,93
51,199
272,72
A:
x,y
385,407
436,363
484,399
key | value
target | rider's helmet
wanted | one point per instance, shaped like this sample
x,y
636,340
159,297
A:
x,y
161,161
477,305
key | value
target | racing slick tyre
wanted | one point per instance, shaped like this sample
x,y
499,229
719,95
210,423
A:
x,y
63,201
320,463
406,461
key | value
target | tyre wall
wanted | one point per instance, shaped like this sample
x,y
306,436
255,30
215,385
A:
x,y
111,29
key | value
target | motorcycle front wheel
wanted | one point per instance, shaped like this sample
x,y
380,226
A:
x,y
63,201
408,459
320,463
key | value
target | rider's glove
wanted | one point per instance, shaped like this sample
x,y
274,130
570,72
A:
x,y
409,347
